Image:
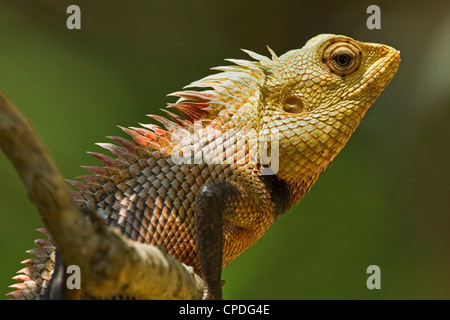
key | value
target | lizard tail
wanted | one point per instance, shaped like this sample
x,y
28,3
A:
x,y
34,279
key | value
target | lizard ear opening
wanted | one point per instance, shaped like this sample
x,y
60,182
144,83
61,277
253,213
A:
x,y
293,105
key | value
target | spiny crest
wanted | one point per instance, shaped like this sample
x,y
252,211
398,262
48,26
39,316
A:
x,y
231,89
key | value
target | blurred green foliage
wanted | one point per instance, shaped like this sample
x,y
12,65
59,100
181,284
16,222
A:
x,y
384,201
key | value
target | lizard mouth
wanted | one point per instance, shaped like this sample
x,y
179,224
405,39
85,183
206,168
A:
x,y
379,74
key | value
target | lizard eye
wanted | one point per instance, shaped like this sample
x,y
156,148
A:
x,y
293,105
342,58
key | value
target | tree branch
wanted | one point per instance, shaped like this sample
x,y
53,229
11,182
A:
x,y
110,264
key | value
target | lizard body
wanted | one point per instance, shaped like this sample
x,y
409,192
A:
x,y
243,153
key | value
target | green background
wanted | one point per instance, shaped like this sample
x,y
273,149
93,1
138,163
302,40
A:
x,y
384,201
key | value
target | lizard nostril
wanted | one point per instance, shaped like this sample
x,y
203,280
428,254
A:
x,y
293,105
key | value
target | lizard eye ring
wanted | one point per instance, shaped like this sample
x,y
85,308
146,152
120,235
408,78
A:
x,y
342,58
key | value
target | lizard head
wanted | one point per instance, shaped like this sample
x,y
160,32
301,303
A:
x,y
312,100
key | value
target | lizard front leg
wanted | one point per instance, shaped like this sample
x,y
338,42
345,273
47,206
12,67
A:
x,y
218,205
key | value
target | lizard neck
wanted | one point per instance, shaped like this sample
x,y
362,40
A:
x,y
309,149
299,187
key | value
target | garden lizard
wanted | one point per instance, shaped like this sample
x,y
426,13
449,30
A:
x,y
250,142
